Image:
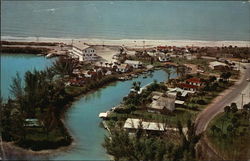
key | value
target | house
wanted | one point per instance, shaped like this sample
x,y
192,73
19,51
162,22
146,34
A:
x,y
83,52
32,123
132,125
133,63
161,103
216,65
244,60
163,58
189,56
184,93
189,87
122,68
194,81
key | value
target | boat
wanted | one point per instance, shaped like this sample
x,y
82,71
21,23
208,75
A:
x,y
50,55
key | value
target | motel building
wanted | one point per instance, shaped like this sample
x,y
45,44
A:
x,y
83,53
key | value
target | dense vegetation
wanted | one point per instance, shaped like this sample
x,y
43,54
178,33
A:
x,y
28,43
229,132
24,50
43,98
150,147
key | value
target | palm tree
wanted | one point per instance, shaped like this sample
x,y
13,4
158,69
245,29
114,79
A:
x,y
101,63
16,87
106,64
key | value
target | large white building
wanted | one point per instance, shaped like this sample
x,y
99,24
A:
x,y
83,52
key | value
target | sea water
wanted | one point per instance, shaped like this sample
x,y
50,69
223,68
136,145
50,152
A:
x,y
193,20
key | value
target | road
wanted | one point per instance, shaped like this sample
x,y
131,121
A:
x,y
226,98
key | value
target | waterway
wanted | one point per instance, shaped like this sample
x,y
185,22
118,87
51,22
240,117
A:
x,y
82,118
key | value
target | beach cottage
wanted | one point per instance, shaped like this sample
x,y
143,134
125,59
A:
x,y
133,63
132,125
161,103
123,68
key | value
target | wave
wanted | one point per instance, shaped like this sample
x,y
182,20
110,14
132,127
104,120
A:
x,y
51,10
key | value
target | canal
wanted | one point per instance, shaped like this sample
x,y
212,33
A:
x,y
83,121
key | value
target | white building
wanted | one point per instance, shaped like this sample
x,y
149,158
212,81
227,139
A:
x,y
133,63
122,68
83,53
164,58
216,64
133,124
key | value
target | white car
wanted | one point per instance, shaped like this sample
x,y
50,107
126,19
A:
x,y
248,79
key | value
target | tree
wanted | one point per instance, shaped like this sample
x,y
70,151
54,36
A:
x,y
16,87
63,66
212,78
106,64
227,110
213,129
234,108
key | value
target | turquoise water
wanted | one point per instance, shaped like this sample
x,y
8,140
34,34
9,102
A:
x,y
194,20
11,64
82,118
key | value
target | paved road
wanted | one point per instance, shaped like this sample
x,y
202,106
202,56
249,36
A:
x,y
225,99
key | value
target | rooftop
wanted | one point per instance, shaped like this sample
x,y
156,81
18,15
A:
x,y
216,63
131,123
194,80
80,46
184,85
132,62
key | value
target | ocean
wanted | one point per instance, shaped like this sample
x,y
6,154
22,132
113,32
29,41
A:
x,y
164,20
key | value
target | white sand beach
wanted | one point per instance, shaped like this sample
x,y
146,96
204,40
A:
x,y
133,42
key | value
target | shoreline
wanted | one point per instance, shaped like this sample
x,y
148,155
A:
x,y
133,42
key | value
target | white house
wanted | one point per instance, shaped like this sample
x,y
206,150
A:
x,y
132,124
163,58
83,53
216,65
161,104
122,68
133,63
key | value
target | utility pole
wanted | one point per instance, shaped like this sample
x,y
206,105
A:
x,y
37,38
143,45
242,96
239,65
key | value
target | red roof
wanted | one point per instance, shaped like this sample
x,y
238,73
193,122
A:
x,y
194,80
162,47
183,85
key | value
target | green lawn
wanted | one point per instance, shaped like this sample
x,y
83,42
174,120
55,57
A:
x,y
180,114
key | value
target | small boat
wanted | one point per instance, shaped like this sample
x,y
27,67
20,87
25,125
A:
x,y
122,78
50,55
